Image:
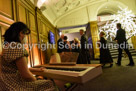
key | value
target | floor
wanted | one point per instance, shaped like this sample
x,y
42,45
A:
x,y
117,78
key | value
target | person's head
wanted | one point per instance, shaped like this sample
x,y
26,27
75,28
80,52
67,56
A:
x,y
76,40
16,32
62,36
65,38
81,31
102,34
118,25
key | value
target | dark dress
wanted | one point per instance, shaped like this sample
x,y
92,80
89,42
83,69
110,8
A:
x,y
66,47
60,43
10,78
84,55
105,56
76,49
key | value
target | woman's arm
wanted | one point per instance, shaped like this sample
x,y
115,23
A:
x,y
23,69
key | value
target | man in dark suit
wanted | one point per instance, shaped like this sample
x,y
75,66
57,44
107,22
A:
x,y
122,44
84,52
60,42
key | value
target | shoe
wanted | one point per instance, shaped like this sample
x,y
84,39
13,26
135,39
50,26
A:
x,y
111,65
119,64
131,64
103,65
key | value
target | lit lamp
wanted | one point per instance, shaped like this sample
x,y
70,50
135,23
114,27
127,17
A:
x,y
60,33
40,4
42,1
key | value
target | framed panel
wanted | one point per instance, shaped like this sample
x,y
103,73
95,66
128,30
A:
x,y
39,25
29,61
22,14
32,22
35,49
44,30
42,50
34,37
6,8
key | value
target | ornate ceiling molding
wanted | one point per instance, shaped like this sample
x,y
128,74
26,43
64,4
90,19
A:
x,y
59,9
75,9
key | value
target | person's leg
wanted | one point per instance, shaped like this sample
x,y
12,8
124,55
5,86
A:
x,y
119,56
79,60
84,57
129,55
88,57
89,61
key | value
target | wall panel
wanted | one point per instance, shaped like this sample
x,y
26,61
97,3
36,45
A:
x,y
6,8
7,12
32,22
35,49
22,14
34,39
25,11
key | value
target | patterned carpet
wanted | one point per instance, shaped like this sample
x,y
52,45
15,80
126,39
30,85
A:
x,y
117,78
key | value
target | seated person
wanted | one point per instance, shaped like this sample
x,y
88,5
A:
x,y
15,75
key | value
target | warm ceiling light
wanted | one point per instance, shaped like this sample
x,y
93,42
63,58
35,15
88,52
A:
x,y
43,1
60,33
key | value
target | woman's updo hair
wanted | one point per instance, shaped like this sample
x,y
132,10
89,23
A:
x,y
76,40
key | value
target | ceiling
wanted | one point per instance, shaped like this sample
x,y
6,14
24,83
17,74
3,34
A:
x,y
60,7
64,13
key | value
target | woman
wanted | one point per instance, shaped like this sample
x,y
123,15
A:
x,y
15,75
76,45
105,56
76,48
